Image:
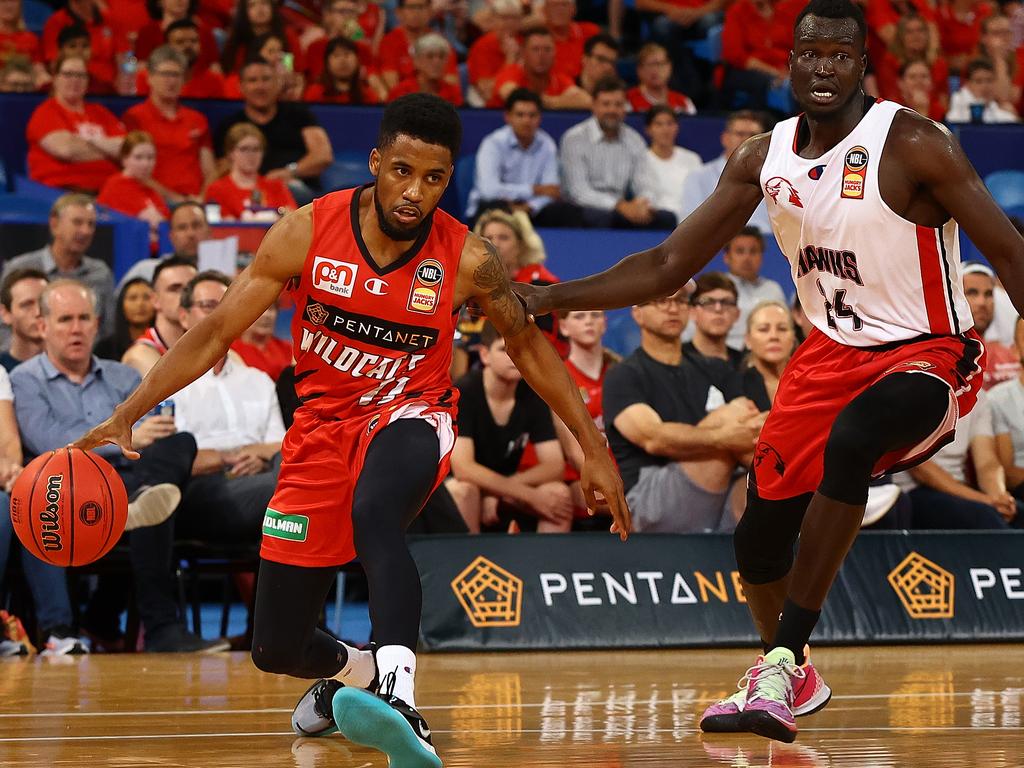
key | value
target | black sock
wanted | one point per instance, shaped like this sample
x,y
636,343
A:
x,y
795,628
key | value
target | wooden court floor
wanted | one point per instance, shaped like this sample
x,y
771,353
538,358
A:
x,y
946,707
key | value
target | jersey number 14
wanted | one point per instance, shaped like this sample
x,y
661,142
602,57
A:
x,y
838,308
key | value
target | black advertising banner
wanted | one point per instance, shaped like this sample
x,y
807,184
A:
x,y
593,591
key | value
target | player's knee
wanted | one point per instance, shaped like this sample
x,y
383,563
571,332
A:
x,y
765,536
276,661
851,453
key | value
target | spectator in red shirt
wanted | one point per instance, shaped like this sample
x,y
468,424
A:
x,y
494,50
185,161
914,41
17,77
340,19
756,41
72,144
960,29
15,40
242,193
600,56
569,35
341,78
274,49
132,192
917,91
654,70
996,45
883,18
537,74
252,19
105,39
200,82
395,55
162,14
259,348
74,40
430,57
678,22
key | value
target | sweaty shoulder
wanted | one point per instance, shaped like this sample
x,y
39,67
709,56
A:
x,y
917,141
748,159
283,250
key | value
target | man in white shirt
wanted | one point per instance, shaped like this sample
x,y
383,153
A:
x,y
1008,423
605,169
744,255
670,164
232,411
739,127
975,102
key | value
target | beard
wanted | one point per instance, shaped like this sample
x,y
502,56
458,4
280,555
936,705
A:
x,y
389,229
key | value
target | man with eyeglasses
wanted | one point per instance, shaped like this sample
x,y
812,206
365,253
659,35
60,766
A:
x,y
600,55
715,311
677,424
699,185
184,151
743,257
232,411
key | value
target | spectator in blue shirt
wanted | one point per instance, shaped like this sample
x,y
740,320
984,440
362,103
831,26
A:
x,y
65,391
517,168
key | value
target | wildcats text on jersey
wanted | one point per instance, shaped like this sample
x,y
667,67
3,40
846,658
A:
x,y
842,264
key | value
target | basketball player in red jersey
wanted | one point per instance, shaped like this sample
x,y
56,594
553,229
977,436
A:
x,y
378,275
865,197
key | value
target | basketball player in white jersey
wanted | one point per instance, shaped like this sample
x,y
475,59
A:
x,y
865,197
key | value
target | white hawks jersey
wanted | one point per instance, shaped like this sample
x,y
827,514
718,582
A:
x,y
864,275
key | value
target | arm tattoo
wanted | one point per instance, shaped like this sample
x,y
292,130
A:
x,y
503,305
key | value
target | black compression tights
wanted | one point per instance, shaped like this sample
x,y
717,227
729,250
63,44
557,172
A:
x,y
399,471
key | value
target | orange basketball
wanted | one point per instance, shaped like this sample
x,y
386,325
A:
x,y
69,507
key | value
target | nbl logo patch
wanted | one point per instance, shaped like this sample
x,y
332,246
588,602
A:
x,y
855,171
426,287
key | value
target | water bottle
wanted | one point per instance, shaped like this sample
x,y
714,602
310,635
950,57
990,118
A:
x,y
127,70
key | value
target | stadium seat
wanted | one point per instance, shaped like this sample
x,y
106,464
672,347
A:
x,y
465,172
623,335
35,13
1007,187
710,47
349,169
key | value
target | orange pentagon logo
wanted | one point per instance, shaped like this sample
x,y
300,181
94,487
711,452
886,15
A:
x,y
926,589
490,595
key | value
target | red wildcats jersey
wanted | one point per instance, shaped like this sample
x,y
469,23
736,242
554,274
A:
x,y
367,338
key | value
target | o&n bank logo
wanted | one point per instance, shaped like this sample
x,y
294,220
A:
x,y
490,595
337,277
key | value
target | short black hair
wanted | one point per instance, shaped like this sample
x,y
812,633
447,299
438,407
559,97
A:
x,y
209,276
422,116
979,64
601,38
537,30
254,58
169,263
522,94
609,84
748,231
14,277
174,26
836,9
71,32
713,281
659,109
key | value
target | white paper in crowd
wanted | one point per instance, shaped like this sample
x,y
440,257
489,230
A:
x,y
220,255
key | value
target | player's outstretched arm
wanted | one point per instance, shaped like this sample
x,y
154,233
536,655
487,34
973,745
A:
x,y
482,278
279,258
665,268
938,163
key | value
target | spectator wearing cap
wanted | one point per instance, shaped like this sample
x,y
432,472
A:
x,y
669,162
600,57
1002,362
298,148
517,168
714,307
72,226
72,143
430,55
536,72
605,169
654,71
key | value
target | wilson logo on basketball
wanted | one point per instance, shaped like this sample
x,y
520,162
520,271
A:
x,y
49,516
926,589
490,595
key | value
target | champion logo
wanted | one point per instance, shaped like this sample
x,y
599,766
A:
x,y
376,286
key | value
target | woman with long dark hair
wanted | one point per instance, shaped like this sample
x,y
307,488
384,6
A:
x,y
134,314
341,81
254,18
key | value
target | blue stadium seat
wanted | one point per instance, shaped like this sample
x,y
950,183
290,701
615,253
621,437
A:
x,y
709,48
35,14
349,169
623,335
465,172
1007,187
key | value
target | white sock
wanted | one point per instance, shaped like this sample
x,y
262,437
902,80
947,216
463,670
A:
x,y
358,670
401,661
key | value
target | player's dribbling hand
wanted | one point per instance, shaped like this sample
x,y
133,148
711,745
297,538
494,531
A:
x,y
115,430
602,489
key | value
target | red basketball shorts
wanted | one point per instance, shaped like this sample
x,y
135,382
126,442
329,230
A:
x,y
309,519
824,376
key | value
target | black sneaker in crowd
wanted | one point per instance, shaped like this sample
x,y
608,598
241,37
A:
x,y
176,639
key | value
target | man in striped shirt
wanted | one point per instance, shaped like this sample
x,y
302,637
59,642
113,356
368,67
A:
x,y
604,166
